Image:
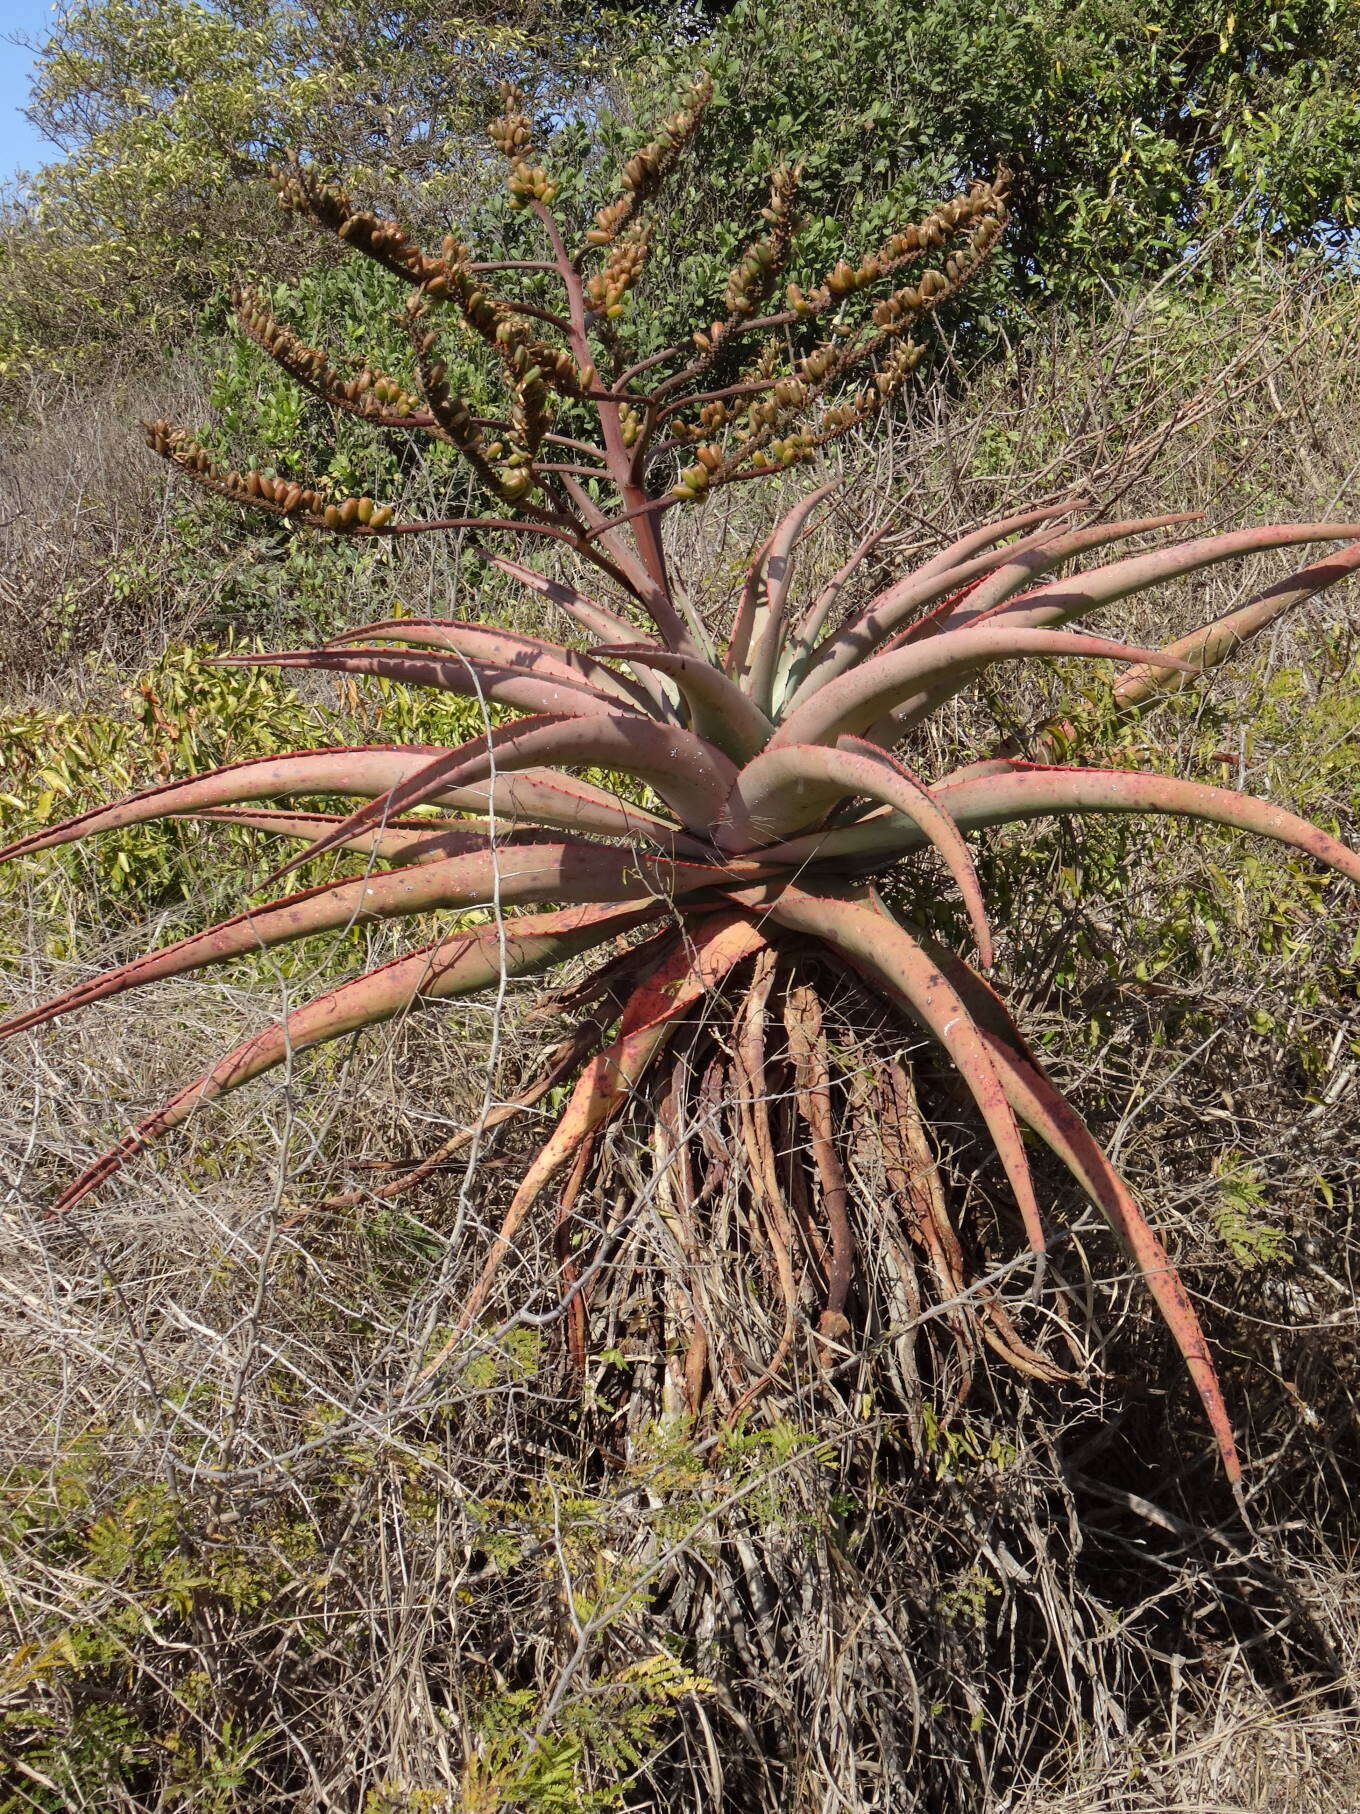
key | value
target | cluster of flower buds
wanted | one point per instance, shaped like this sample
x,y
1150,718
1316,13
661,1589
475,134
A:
x,y
695,480
555,363
983,201
513,136
817,366
370,394
380,239
531,406
708,342
302,192
904,305
754,278
769,438
894,372
530,183
607,289
646,170
897,311
790,396
507,469
609,220
784,397
360,516
515,477
983,210
713,418
841,416
980,242
452,279
512,133
790,451
452,417
841,281
630,424
450,412
446,278
505,472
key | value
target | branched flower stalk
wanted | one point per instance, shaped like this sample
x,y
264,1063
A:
x,y
741,904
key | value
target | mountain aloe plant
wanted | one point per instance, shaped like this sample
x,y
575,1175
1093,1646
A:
x,y
766,775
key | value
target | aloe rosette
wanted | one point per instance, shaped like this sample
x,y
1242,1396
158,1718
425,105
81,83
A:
x,y
768,747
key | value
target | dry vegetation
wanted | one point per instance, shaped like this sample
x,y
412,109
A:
x,y
254,1555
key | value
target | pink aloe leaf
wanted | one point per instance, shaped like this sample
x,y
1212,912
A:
x,y
501,648
1010,791
752,589
974,771
987,535
720,712
690,775
1216,642
513,876
411,841
602,624
454,966
369,772
569,803
802,782
861,698
1032,790
878,838
928,589
885,952
1064,599
1042,1106
363,770
769,624
813,620
907,608
598,619
469,676
1007,580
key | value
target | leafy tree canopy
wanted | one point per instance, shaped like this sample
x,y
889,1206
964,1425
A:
x,y
1131,130
164,110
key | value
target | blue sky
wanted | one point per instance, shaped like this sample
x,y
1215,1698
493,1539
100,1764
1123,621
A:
x,y
20,146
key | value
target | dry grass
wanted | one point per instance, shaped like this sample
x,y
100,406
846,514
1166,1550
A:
x,y
86,528
254,1560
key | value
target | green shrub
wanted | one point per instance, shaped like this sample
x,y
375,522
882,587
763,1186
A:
x,y
1134,134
